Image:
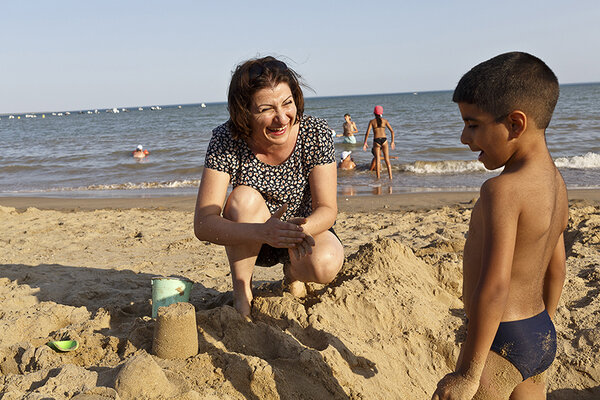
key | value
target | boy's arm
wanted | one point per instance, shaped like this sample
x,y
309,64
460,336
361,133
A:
x,y
555,277
500,218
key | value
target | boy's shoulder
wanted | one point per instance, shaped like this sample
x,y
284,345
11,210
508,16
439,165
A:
x,y
500,186
500,198
512,193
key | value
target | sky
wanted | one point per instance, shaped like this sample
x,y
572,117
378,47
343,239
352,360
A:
x,y
76,55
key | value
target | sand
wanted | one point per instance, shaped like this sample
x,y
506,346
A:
x,y
386,328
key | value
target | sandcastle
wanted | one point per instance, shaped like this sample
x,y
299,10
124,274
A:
x,y
175,332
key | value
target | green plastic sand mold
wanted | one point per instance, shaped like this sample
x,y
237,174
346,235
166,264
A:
x,y
63,345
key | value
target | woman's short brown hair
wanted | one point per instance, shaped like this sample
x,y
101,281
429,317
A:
x,y
251,76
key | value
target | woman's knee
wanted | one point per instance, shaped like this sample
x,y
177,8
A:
x,y
327,261
245,204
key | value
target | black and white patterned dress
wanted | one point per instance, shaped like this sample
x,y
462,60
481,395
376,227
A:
x,y
278,184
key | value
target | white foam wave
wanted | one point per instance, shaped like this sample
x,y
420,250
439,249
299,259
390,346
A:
x,y
447,167
144,185
443,167
133,186
587,161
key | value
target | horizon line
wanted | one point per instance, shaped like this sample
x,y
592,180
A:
x,y
78,110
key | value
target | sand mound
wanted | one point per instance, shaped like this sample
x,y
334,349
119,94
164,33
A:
x,y
386,328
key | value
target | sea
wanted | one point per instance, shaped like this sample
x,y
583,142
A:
x,y
87,153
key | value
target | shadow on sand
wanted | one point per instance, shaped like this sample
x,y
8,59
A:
x,y
290,352
575,394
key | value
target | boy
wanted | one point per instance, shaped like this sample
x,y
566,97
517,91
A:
x,y
514,256
350,129
346,161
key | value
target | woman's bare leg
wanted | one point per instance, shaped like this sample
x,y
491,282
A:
x,y
244,205
322,265
386,158
377,160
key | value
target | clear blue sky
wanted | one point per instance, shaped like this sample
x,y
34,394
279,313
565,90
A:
x,y
71,55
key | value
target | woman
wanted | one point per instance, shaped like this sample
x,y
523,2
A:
x,y
281,165
380,141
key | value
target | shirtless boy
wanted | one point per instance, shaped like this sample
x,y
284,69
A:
x,y
349,130
514,257
380,145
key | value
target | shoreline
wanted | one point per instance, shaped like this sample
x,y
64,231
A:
x,y
363,203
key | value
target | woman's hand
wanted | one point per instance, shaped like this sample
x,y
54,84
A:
x,y
282,234
303,248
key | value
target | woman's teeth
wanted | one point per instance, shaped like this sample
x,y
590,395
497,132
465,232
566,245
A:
x,y
277,130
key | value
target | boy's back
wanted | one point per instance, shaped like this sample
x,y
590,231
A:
x,y
535,197
514,257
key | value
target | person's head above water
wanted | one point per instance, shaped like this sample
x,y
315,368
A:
x,y
251,76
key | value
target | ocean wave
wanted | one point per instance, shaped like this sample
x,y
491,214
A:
x,y
132,186
587,161
448,167
443,167
145,185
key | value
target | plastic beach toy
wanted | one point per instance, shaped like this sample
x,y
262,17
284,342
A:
x,y
63,345
169,290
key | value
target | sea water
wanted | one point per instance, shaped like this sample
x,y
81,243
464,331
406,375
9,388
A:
x,y
87,153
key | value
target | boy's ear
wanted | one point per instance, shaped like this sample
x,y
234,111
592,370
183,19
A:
x,y
517,121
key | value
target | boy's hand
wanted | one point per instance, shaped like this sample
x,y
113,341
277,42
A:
x,y
455,386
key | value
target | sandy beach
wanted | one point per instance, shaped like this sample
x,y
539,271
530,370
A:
x,y
388,327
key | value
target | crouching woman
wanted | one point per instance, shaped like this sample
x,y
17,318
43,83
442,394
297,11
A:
x,y
281,165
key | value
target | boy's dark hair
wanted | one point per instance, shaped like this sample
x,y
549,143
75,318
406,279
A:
x,y
508,82
346,115
248,78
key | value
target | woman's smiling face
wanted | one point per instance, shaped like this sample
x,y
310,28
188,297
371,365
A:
x,y
273,115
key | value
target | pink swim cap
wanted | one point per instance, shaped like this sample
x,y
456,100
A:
x,y
378,110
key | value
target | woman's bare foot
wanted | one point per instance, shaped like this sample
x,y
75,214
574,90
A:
x,y
296,288
243,307
242,301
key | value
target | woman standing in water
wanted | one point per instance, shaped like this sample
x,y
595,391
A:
x,y
281,164
378,124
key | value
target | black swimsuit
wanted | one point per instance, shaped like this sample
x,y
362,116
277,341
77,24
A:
x,y
380,140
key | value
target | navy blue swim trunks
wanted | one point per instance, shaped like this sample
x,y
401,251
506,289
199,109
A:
x,y
529,344
269,255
